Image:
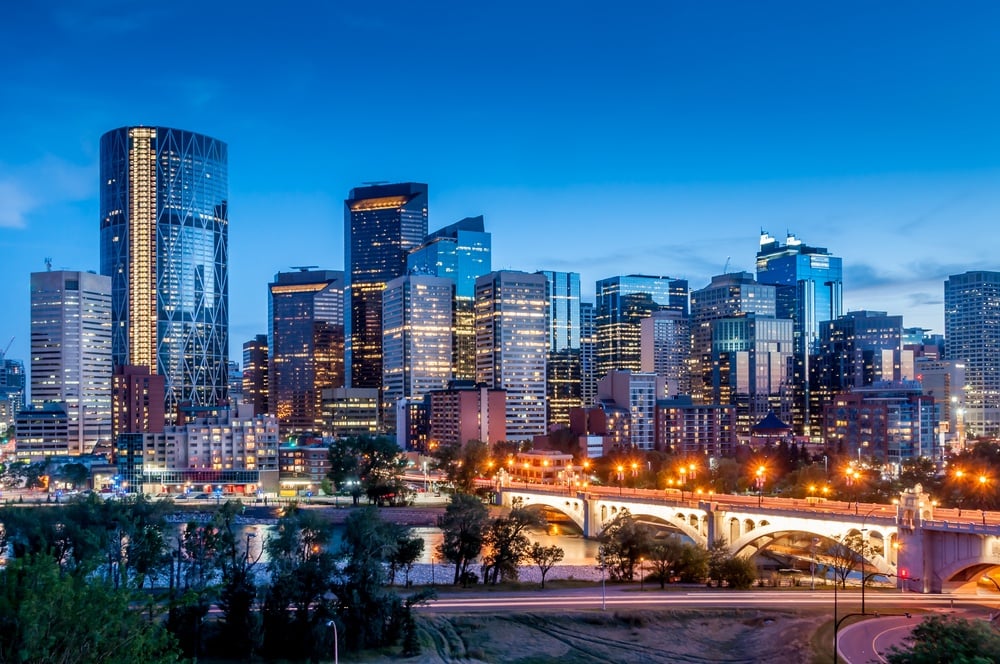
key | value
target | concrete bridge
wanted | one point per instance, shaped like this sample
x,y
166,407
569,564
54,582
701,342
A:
x,y
907,541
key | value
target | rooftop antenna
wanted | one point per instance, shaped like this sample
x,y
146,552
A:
x,y
48,264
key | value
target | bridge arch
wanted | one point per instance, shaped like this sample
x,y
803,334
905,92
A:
x,y
693,532
771,532
571,507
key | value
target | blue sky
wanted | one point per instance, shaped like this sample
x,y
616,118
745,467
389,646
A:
x,y
603,138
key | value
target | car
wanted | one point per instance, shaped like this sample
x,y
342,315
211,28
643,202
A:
x,y
202,496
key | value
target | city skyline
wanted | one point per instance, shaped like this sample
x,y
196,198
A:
x,y
658,142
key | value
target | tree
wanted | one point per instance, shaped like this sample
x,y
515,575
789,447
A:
x,y
343,459
844,554
461,464
623,542
463,527
507,543
665,556
370,465
73,474
408,551
47,615
948,639
240,626
545,558
724,567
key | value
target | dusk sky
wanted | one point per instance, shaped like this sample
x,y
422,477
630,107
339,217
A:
x,y
602,138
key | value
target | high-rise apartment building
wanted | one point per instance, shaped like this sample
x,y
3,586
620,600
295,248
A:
x,y
564,379
665,340
305,345
972,336
810,291
416,339
164,243
637,393
461,252
382,223
622,303
71,353
511,346
255,369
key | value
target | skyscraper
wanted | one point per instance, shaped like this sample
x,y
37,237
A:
x,y
564,379
382,223
11,390
666,350
417,338
728,295
306,345
810,291
588,355
972,336
622,302
71,352
461,252
255,379
164,243
511,346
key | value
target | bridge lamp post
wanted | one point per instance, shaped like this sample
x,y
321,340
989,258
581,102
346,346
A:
x,y
864,539
761,478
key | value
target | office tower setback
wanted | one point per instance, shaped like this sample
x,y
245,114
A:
x,y
564,379
382,223
461,252
306,345
810,291
417,338
972,336
71,353
255,369
666,350
164,243
511,346
622,302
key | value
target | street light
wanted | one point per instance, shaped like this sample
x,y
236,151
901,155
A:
x,y
336,654
642,575
863,538
621,477
760,485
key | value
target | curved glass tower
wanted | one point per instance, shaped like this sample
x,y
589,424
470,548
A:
x,y
164,243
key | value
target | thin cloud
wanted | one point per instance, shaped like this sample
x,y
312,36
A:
x,y
27,189
15,205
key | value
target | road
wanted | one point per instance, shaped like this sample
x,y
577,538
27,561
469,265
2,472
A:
x,y
868,640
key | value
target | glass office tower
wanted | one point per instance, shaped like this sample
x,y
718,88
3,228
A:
x,y
382,223
622,303
305,345
164,243
810,291
565,379
460,252
972,336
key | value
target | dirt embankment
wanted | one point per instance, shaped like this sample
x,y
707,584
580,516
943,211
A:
x,y
623,637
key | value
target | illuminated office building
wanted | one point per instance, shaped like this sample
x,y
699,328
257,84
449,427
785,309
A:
x,y
71,353
588,355
382,223
12,386
809,283
417,338
255,379
305,345
564,379
164,243
461,252
972,336
511,346
666,350
622,303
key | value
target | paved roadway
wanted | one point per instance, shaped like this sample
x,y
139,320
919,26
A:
x,y
868,640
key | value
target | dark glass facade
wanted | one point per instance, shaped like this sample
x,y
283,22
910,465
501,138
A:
x,y
164,243
306,345
382,223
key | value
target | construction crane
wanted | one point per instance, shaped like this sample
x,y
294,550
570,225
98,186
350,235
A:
x,y
7,348
725,268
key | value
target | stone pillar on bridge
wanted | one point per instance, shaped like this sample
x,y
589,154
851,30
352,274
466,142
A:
x,y
591,518
715,519
915,559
